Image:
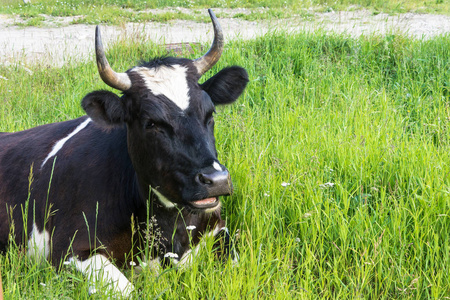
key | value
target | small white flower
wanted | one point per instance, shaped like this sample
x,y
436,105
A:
x,y
171,255
43,284
326,185
297,240
4,78
307,215
285,184
28,70
267,194
191,227
66,263
132,263
92,290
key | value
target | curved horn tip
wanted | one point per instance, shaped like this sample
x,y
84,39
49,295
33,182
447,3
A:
x,y
98,35
208,60
216,24
119,81
211,13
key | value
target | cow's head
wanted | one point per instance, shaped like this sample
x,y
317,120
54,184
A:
x,y
170,122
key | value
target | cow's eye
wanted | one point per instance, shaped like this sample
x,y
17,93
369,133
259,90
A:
x,y
158,126
209,120
150,125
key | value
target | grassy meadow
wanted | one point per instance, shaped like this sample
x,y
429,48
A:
x,y
118,12
339,152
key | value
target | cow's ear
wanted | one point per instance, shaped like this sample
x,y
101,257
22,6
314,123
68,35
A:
x,y
227,85
104,107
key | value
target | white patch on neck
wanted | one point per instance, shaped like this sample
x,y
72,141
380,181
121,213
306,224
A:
x,y
190,255
38,244
164,201
59,144
217,166
100,271
168,81
153,265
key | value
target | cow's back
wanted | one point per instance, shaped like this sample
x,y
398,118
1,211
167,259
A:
x,y
20,157
54,172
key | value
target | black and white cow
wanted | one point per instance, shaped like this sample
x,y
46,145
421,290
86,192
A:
x,y
137,166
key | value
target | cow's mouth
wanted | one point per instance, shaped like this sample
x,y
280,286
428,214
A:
x,y
204,205
207,203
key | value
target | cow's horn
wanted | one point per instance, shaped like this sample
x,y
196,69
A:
x,y
208,60
119,81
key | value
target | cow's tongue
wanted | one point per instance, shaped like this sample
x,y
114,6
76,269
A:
x,y
205,201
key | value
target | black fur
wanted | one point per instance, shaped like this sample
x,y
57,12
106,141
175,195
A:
x,y
103,178
104,107
227,85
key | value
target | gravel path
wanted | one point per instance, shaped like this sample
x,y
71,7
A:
x,y
55,45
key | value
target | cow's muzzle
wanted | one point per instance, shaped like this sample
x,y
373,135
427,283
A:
x,y
217,183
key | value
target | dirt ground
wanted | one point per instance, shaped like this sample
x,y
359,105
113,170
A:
x,y
60,42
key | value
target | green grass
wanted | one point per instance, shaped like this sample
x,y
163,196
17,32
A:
x,y
121,11
357,129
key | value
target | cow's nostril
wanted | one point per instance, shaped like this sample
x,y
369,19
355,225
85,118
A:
x,y
204,178
217,183
215,178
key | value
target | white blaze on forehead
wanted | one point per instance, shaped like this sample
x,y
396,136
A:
x,y
38,244
168,81
59,144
